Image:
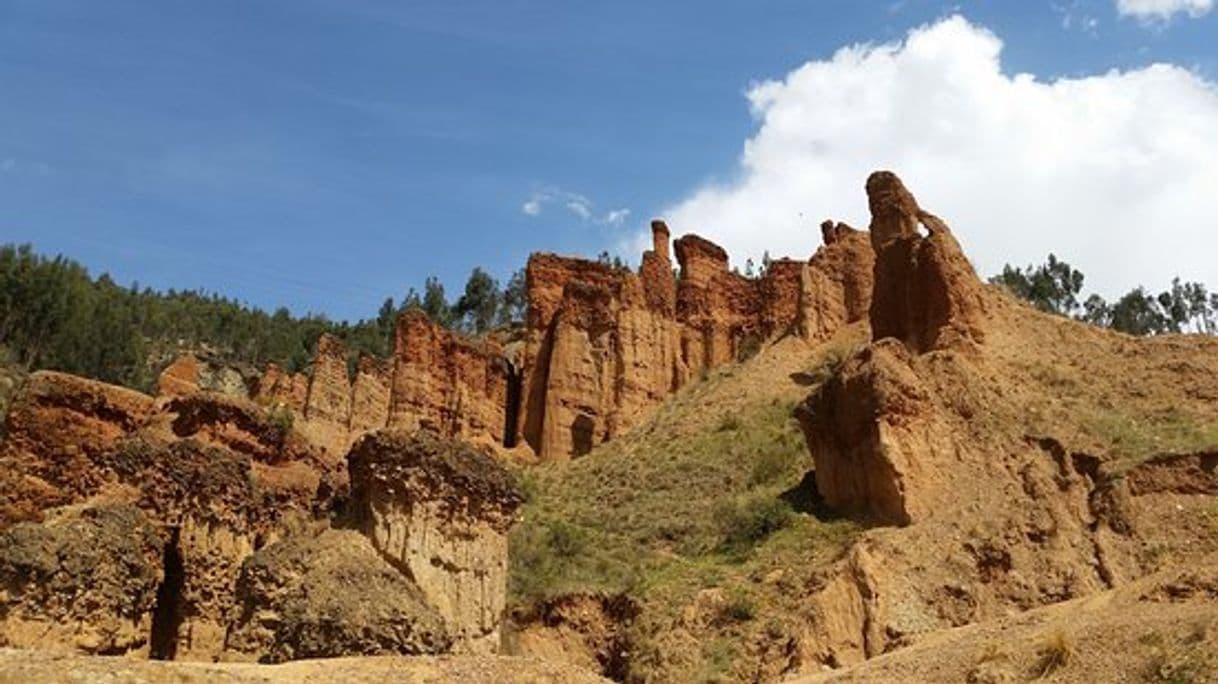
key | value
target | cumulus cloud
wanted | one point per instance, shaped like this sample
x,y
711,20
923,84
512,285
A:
x,y
576,204
1115,172
1163,10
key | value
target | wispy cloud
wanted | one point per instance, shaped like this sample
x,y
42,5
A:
x,y
1161,11
616,217
1073,16
574,203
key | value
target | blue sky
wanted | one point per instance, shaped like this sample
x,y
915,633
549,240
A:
x,y
324,154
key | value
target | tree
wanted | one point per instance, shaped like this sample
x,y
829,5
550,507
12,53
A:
x,y
435,304
476,309
1052,287
1138,313
513,305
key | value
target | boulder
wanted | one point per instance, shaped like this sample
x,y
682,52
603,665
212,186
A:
x,y
327,596
439,511
85,579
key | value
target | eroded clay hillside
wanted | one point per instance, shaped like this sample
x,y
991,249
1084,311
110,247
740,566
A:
x,y
843,468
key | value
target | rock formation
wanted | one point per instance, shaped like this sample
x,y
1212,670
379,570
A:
x,y
447,384
326,596
929,433
86,578
439,511
926,293
602,346
191,372
199,483
606,345
835,286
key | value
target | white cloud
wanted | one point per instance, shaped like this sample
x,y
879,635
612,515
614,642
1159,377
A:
x,y
1163,10
581,207
1116,173
615,217
575,203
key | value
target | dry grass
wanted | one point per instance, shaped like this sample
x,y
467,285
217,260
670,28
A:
x,y
1055,653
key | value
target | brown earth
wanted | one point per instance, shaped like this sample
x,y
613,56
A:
x,y
22,667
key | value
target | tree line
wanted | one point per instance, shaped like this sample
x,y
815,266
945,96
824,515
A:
x,y
1055,287
55,315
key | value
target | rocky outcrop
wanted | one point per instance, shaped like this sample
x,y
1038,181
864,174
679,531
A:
x,y
926,292
206,487
871,432
447,384
835,286
439,511
189,373
326,596
327,409
278,388
874,427
606,345
86,578
370,395
55,431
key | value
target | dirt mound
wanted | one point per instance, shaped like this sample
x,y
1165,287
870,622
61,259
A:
x,y
329,595
86,577
1153,630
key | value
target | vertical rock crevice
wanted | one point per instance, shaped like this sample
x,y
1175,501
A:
x,y
167,611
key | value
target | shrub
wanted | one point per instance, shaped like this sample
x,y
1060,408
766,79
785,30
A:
x,y
281,419
745,522
739,607
1055,654
565,540
729,423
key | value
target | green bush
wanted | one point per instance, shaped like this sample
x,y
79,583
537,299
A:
x,y
565,540
281,419
739,607
745,522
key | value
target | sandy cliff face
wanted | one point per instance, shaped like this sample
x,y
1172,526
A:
x,y
440,511
605,346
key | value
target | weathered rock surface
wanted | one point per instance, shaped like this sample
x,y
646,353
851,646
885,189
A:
x,y
55,430
926,293
326,596
447,384
190,373
835,286
439,511
606,345
933,428
278,388
86,578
